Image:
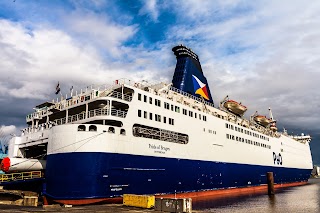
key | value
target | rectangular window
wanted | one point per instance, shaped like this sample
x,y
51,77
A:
x,y
172,107
150,116
205,119
164,119
184,111
145,98
145,115
199,116
157,117
139,113
139,96
166,105
227,136
190,113
177,109
171,121
150,100
195,115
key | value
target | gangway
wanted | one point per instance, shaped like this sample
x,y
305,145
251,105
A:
x,y
21,176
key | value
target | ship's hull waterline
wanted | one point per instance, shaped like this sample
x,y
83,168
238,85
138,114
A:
x,y
110,175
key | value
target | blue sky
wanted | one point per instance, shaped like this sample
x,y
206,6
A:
x,y
262,53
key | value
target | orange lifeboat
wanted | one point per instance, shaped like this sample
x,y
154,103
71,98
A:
x,y
262,120
235,107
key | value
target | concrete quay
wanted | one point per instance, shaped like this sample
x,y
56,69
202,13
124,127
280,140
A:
x,y
102,208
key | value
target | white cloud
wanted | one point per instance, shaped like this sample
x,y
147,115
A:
x,y
265,55
150,7
33,61
7,130
97,30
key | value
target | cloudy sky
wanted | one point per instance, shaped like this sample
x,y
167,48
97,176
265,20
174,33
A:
x,y
262,53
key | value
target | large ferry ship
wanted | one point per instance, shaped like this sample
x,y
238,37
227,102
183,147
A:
x,y
129,137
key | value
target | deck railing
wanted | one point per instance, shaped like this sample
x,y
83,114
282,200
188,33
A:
x,y
20,176
91,113
119,95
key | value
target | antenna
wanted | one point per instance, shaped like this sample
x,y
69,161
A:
x,y
270,115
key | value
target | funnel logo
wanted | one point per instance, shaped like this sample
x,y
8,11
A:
x,y
200,88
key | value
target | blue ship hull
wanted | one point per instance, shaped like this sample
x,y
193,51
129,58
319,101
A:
x,y
107,175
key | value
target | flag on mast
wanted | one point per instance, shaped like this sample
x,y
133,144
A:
x,y
58,88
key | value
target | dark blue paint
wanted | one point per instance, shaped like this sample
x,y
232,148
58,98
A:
x,y
186,67
80,175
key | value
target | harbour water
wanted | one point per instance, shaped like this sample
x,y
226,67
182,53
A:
x,y
298,199
304,198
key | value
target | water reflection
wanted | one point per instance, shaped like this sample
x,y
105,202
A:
x,y
294,199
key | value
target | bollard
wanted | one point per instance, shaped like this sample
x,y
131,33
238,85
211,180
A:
x,y
270,183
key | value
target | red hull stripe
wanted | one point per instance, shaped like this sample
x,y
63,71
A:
x,y
201,195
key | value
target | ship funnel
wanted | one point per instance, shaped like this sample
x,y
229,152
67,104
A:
x,y
188,75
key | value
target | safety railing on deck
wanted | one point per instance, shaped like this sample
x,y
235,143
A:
x,y
98,112
21,176
91,113
117,95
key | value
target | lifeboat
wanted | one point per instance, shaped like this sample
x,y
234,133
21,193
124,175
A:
x,y
235,107
262,120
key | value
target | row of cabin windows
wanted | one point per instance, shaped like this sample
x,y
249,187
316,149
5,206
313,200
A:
x,y
244,140
156,117
247,132
194,114
157,102
210,131
171,107
93,128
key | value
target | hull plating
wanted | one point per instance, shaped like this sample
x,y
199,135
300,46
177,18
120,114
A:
x,y
71,176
